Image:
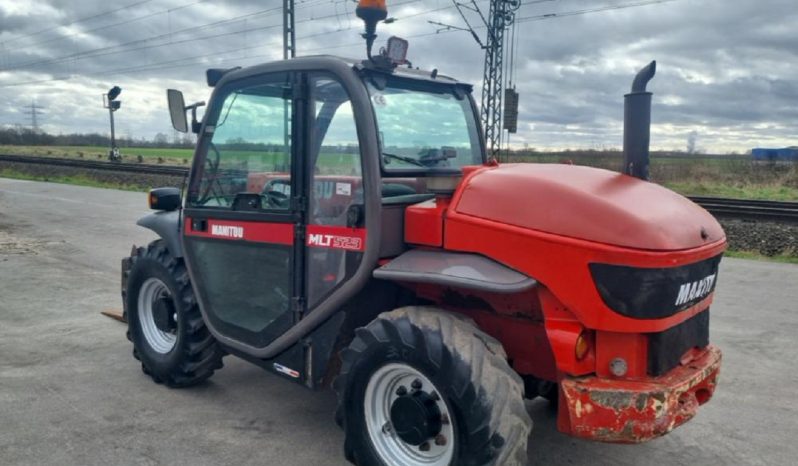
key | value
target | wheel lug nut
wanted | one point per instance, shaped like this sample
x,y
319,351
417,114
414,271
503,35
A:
x,y
401,391
424,446
416,384
435,396
440,440
387,428
445,419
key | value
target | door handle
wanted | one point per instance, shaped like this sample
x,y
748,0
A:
x,y
199,224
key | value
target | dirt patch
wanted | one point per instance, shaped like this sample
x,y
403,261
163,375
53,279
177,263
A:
x,y
11,244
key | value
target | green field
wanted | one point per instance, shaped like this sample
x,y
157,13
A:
x,y
722,176
76,180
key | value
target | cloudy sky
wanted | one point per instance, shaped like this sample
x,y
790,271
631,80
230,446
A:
x,y
727,69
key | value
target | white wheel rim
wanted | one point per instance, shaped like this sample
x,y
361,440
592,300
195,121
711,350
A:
x,y
152,290
380,395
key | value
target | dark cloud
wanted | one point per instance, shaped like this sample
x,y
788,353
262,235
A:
x,y
726,68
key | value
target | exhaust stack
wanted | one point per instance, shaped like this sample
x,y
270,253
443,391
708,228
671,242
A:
x,y
637,124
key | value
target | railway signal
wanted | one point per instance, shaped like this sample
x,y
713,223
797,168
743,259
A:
x,y
112,104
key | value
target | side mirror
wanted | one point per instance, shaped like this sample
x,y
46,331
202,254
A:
x,y
177,110
167,199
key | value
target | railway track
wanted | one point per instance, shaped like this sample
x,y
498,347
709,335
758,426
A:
x,y
747,209
786,212
97,165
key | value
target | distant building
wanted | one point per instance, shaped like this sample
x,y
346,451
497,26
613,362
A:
x,y
775,155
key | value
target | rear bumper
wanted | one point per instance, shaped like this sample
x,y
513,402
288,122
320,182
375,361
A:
x,y
626,411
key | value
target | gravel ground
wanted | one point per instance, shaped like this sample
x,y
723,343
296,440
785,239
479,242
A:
x,y
766,238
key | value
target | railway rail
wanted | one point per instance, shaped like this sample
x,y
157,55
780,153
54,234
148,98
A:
x,y
779,211
748,209
97,165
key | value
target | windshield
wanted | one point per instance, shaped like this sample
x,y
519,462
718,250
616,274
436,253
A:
x,y
421,129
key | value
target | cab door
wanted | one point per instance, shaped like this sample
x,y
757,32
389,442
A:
x,y
243,220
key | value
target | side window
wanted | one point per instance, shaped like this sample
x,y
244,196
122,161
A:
x,y
336,185
336,181
248,160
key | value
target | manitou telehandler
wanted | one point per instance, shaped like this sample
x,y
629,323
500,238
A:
x,y
342,226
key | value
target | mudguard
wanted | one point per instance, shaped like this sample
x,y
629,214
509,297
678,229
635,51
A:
x,y
454,269
167,226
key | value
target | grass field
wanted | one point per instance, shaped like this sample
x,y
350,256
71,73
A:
x,y
77,180
761,257
722,176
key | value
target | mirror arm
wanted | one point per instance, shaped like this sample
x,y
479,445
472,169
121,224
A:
x,y
195,125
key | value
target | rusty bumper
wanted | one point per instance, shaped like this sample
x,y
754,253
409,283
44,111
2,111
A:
x,y
627,411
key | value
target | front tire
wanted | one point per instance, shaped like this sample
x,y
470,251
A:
x,y
421,386
164,322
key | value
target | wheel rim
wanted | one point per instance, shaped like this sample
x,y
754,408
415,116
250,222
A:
x,y
151,291
383,390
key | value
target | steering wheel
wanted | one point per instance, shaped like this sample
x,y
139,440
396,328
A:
x,y
275,198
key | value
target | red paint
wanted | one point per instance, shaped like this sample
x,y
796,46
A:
x,y
515,320
631,347
549,222
424,222
560,263
626,411
235,230
335,237
587,203
563,329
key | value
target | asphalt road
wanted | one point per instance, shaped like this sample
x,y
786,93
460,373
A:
x,y
71,393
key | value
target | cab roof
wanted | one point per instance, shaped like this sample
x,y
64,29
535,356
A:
x,y
326,62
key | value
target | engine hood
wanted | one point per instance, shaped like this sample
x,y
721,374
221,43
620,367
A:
x,y
587,203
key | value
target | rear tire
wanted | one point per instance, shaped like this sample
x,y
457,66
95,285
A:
x,y
164,322
460,367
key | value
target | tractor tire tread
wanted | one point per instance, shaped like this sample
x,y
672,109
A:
x,y
474,362
200,354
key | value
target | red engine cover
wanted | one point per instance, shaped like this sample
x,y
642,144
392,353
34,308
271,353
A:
x,y
590,204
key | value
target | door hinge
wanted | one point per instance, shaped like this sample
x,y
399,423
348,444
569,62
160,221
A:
x,y
298,306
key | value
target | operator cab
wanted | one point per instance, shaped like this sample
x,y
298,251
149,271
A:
x,y
301,177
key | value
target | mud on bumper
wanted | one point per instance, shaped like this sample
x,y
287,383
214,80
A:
x,y
626,411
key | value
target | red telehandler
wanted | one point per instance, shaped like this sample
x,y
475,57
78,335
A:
x,y
343,227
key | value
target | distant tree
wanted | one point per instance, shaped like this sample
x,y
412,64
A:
x,y
161,140
691,140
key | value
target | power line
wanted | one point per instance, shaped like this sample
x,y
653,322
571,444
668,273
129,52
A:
x,y
176,63
110,50
80,20
34,111
120,23
172,63
590,10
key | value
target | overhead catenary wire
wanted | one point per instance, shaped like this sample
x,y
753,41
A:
x,y
176,63
114,49
80,20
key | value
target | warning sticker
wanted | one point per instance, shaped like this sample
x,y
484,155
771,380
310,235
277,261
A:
x,y
285,370
343,189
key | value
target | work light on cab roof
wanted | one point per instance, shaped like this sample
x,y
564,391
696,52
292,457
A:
x,y
395,53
